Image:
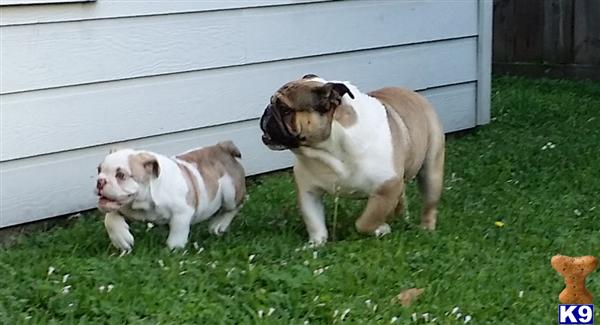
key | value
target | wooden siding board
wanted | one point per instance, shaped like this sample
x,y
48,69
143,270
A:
x,y
103,50
44,186
62,119
587,32
106,9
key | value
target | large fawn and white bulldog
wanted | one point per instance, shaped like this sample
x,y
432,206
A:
x,y
179,191
363,145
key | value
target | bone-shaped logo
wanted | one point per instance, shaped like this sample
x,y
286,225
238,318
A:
x,y
574,271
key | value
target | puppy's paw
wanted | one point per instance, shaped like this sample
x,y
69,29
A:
x,y
176,243
382,230
428,225
122,239
118,232
219,224
218,229
317,240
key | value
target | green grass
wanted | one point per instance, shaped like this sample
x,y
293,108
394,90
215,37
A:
x,y
547,199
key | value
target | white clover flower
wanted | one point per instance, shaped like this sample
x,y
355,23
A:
x,y
335,313
316,298
149,226
101,288
414,317
66,289
344,314
260,313
271,311
459,315
161,263
51,270
425,316
65,278
467,318
394,320
455,310
109,288
577,212
315,255
521,294
195,245
251,258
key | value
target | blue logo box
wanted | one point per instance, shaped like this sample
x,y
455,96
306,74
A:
x,y
575,314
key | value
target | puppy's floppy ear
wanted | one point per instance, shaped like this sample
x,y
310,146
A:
x,y
338,89
310,76
331,95
144,165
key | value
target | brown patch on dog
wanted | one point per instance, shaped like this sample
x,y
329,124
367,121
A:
x,y
345,115
143,166
215,161
380,206
418,140
193,195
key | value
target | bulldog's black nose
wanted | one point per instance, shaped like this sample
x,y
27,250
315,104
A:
x,y
100,183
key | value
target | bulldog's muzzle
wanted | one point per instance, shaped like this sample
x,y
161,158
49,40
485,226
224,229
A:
x,y
276,134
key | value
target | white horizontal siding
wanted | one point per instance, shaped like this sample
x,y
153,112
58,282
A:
x,y
61,119
62,183
55,55
103,9
172,75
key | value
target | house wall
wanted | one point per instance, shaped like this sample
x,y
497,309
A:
x,y
80,78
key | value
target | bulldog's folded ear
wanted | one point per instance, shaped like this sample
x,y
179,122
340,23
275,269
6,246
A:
x,y
144,166
333,92
338,89
310,76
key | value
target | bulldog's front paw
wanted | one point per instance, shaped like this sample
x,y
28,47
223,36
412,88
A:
x,y
118,231
122,240
316,240
175,242
382,230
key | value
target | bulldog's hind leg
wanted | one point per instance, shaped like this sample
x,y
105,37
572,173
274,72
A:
x,y
431,181
380,206
232,203
220,223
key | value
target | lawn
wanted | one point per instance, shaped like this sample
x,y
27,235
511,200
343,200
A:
x,y
517,192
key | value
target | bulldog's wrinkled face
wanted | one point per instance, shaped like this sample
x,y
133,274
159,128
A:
x,y
300,113
122,175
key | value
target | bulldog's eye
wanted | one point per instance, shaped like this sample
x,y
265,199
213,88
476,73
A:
x,y
120,175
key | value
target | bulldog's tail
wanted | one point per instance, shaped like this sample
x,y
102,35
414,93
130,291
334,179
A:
x,y
230,148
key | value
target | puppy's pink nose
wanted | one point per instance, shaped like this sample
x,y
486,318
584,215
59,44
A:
x,y
100,183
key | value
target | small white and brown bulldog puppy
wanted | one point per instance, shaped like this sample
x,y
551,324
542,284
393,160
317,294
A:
x,y
363,145
179,191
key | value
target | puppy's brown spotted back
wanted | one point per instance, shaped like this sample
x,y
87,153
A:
x,y
215,161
